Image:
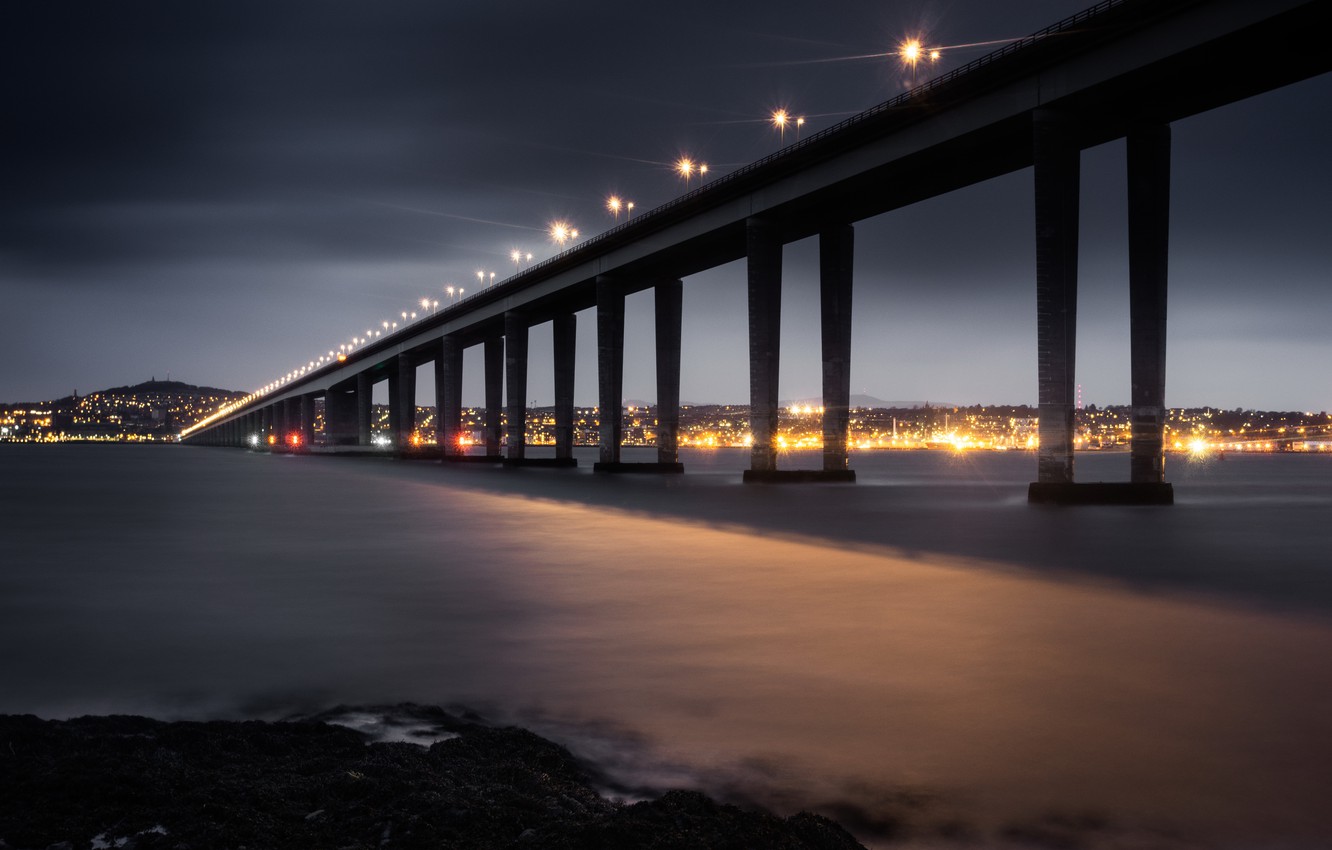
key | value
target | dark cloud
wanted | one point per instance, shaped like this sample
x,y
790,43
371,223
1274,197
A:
x,y
323,164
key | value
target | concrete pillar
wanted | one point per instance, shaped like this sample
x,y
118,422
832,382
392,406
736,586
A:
x,y
280,422
565,332
669,295
494,393
448,395
294,424
266,429
836,255
1055,160
340,415
764,250
515,370
610,367
1149,244
364,407
402,401
307,419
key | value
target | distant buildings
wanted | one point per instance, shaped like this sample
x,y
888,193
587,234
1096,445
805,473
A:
x,y
156,411
153,411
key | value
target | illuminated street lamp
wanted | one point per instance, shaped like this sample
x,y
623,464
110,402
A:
x,y
561,232
480,278
779,119
686,167
492,278
912,53
629,210
449,290
800,122
517,257
614,204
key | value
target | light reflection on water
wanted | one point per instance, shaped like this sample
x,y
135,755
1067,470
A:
x,y
922,645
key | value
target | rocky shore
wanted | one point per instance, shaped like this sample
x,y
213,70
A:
x,y
134,782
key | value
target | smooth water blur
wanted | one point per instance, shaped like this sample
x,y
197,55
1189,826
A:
x,y
922,651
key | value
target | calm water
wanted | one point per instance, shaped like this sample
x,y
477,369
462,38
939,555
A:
x,y
921,648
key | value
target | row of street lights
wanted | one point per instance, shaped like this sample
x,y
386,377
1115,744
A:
x,y
911,52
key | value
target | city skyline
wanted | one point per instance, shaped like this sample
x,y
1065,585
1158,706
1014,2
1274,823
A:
x,y
225,194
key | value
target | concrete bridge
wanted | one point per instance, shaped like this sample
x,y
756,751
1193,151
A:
x,y
1122,69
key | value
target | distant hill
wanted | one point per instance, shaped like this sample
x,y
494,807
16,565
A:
x,y
156,386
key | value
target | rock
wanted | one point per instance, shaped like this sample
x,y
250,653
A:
x,y
147,784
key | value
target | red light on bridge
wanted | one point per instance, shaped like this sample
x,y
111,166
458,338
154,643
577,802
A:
x,y
294,439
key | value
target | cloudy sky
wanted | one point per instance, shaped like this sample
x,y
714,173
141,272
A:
x,y
222,191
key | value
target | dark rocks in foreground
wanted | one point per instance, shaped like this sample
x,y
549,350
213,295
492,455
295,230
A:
x,y
132,782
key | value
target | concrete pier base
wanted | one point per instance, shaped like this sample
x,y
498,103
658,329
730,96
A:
x,y
1101,493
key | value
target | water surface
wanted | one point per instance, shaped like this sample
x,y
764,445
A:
x,y
922,648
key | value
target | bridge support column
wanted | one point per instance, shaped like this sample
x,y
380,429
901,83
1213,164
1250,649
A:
x,y
764,249
494,367
610,368
448,396
1149,241
296,421
364,407
836,256
340,415
565,329
1056,167
402,401
669,295
515,369
280,425
266,429
308,420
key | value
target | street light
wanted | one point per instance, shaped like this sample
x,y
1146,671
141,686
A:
x,y
517,257
561,232
614,204
800,122
779,119
629,210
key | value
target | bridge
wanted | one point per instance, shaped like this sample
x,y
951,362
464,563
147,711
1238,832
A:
x,y
1121,69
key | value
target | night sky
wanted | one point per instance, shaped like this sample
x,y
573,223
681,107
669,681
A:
x,y
224,191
